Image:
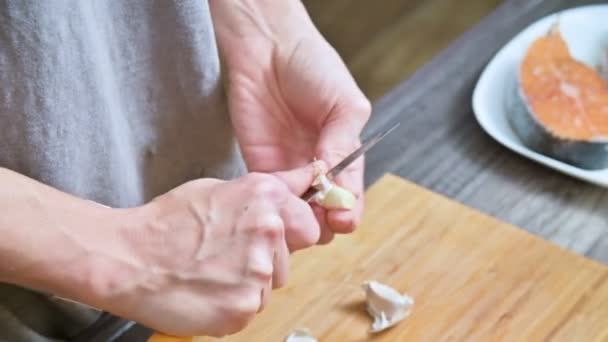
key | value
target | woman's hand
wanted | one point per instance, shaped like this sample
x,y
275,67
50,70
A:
x,y
290,95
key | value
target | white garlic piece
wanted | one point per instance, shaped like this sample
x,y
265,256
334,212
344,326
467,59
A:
x,y
301,335
386,306
332,196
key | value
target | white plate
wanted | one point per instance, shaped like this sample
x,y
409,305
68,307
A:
x,y
586,31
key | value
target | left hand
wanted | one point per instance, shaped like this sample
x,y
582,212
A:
x,y
291,97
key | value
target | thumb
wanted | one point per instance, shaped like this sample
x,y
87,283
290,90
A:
x,y
338,140
341,131
300,179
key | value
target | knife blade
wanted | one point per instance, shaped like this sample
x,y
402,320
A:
x,y
366,146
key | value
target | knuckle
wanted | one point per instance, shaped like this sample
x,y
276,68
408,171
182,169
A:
x,y
263,185
236,310
260,263
272,234
261,271
270,225
262,274
247,306
266,225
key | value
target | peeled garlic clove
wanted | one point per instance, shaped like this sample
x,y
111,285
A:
x,y
332,196
386,305
301,335
337,198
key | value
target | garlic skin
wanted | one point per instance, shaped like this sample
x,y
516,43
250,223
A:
x,y
301,335
386,305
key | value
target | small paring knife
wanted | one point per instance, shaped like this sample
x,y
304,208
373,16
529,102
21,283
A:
x,y
366,146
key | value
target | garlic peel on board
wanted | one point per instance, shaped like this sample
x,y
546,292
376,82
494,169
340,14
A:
x,y
301,335
386,305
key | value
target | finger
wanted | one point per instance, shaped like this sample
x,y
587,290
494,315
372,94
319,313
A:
x,y
298,180
345,221
339,138
326,234
260,264
301,227
273,231
349,114
265,296
281,265
266,231
340,134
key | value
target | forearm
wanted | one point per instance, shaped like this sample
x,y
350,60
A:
x,y
50,240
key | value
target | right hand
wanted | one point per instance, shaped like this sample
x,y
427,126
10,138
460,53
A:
x,y
206,255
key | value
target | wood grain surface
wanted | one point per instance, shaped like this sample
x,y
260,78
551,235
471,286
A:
x,y
472,277
439,144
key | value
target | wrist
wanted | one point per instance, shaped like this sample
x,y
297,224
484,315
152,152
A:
x,y
54,242
263,24
91,260
146,244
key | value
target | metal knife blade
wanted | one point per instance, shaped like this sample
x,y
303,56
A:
x,y
366,146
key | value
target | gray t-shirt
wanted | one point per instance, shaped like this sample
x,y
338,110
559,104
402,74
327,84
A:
x,y
115,101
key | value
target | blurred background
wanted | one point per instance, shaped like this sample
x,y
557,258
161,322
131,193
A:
x,y
384,42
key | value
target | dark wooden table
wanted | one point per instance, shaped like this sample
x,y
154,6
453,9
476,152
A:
x,y
440,146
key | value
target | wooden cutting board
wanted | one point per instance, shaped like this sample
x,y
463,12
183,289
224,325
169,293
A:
x,y
472,277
